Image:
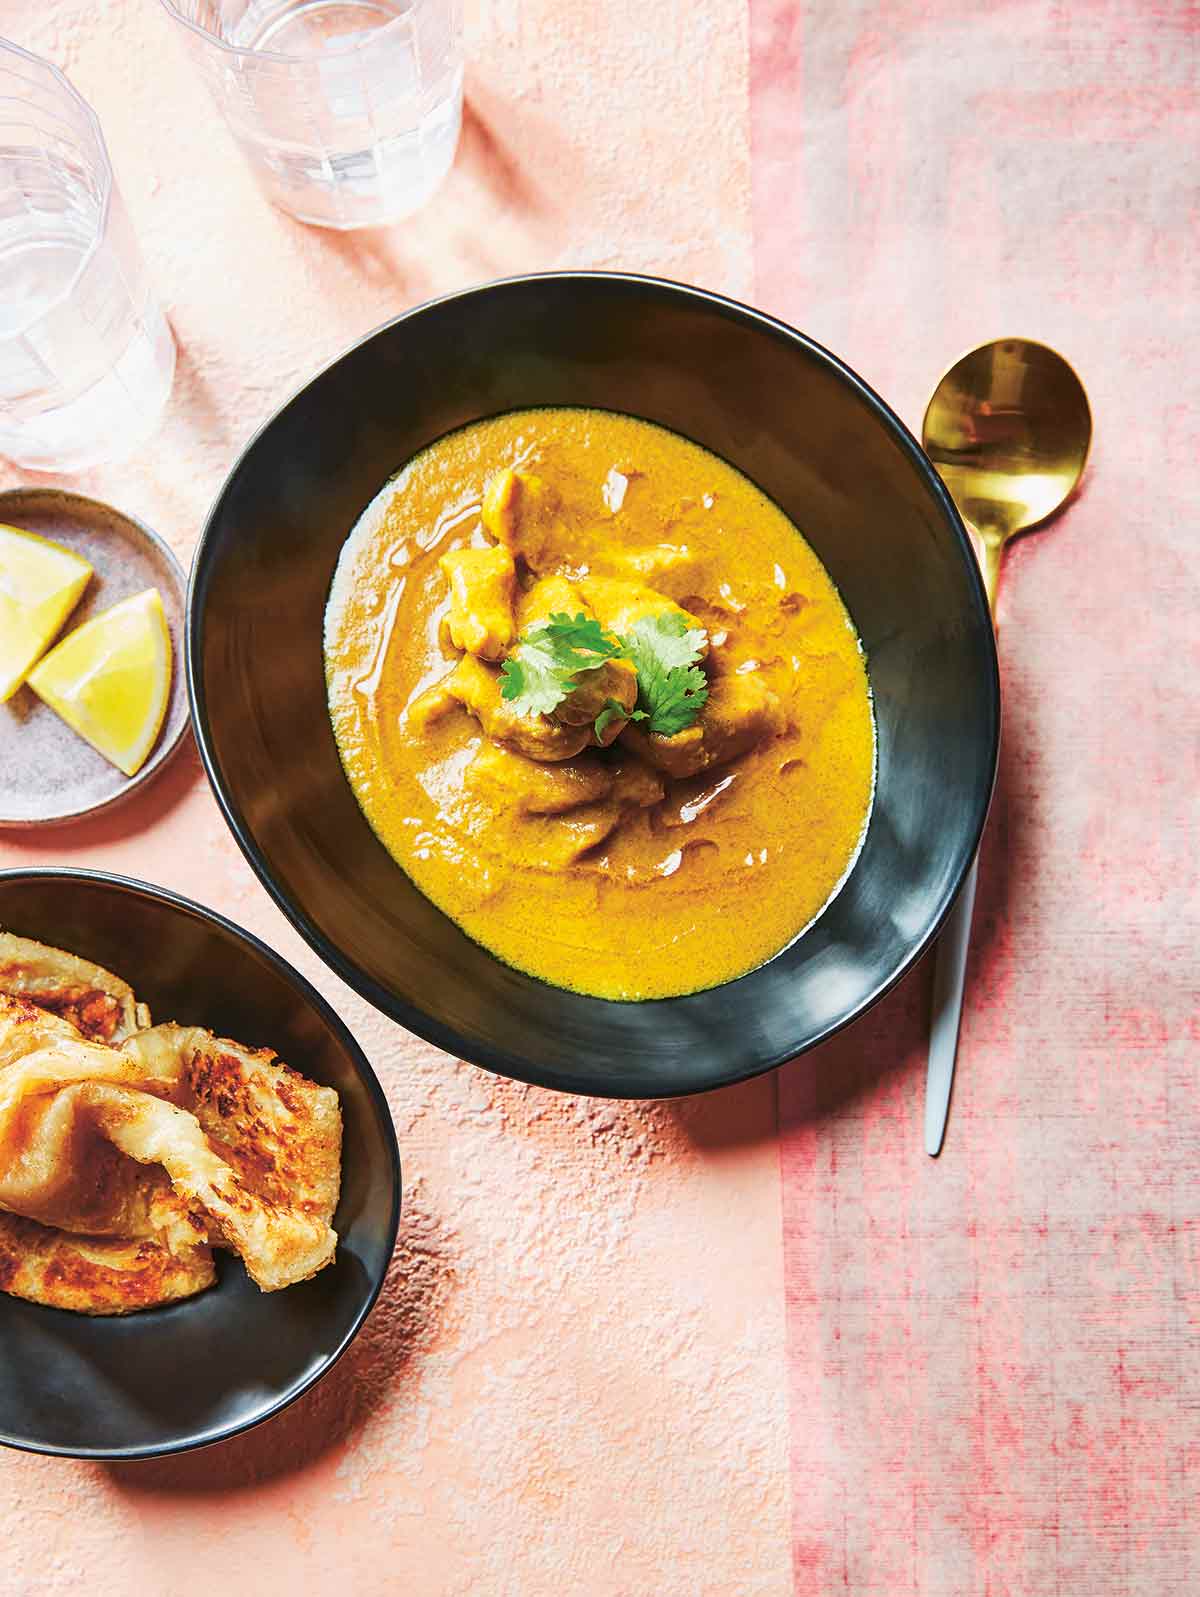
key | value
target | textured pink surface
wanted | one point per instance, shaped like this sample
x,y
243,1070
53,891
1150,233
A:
x,y
576,1380
994,1357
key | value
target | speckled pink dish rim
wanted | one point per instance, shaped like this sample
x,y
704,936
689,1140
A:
x,y
87,525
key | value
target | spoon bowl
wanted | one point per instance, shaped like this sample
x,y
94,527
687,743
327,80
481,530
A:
x,y
1008,428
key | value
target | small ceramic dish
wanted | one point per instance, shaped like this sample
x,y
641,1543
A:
x,y
48,773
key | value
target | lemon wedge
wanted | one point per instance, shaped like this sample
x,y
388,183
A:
x,y
40,584
110,679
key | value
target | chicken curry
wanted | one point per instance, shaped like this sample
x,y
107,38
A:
x,y
601,702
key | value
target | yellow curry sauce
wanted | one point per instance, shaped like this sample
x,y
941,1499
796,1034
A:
x,y
599,871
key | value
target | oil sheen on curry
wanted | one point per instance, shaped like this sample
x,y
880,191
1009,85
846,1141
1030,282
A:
x,y
601,701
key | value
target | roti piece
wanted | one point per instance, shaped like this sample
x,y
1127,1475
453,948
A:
x,y
56,1166
266,1185
96,1275
278,1243
100,1005
69,1175
279,1131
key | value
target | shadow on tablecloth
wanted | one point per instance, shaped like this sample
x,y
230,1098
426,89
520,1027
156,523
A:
x,y
892,1039
495,213
377,1372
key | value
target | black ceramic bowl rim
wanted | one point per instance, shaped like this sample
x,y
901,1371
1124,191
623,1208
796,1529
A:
x,y
308,994
499,1060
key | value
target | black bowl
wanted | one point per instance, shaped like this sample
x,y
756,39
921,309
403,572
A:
x,y
806,430
204,1369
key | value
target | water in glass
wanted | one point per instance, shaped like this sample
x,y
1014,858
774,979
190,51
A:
x,y
86,357
348,111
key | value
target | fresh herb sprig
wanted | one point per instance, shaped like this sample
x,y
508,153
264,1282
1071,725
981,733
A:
x,y
614,710
672,689
553,654
549,659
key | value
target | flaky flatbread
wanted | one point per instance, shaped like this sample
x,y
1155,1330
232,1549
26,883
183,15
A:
x,y
56,1166
100,1005
281,1132
96,1275
263,1181
278,1243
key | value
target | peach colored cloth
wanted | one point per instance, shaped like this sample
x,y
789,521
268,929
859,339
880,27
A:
x,y
575,1381
995,1358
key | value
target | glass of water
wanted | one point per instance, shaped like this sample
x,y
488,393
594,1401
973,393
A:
x,y
86,356
348,111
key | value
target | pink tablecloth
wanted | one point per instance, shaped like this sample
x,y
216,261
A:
x,y
582,1377
994,1358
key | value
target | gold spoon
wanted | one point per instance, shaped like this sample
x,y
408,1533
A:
x,y
1008,429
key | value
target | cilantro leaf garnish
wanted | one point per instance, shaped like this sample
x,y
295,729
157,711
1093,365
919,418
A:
x,y
548,659
614,710
667,638
582,636
672,689
674,698
533,682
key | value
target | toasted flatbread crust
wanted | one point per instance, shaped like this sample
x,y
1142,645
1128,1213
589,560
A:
x,y
96,1275
264,1183
98,1004
281,1132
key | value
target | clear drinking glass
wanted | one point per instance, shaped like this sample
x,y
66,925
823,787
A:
x,y
86,356
348,111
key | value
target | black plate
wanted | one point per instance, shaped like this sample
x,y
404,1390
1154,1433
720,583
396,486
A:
x,y
199,1371
794,419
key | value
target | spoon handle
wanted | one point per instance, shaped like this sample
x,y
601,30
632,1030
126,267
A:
x,y
950,956
949,971
991,549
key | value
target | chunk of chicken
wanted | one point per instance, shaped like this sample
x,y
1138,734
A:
x,y
476,686
620,604
431,705
681,755
550,596
522,511
656,562
481,599
614,680
740,712
531,788
634,787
